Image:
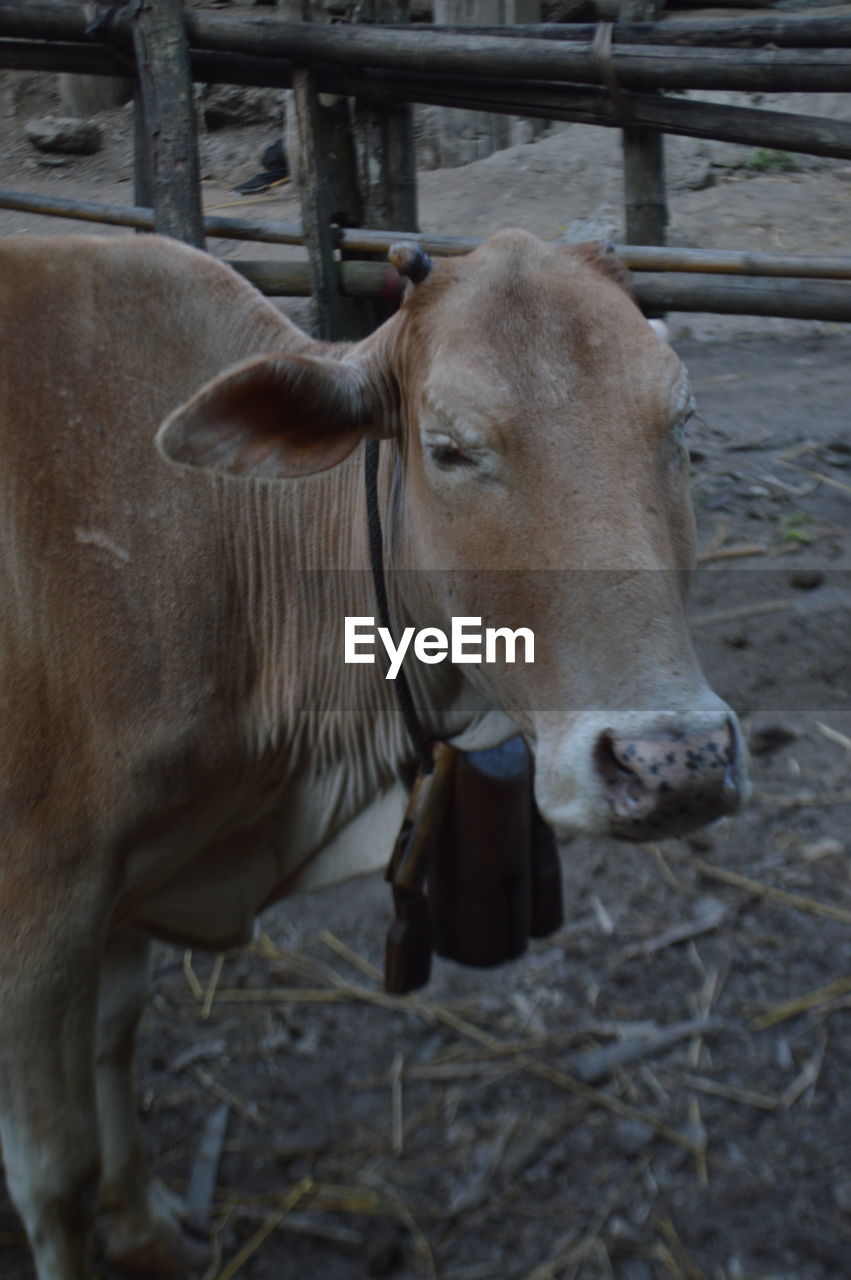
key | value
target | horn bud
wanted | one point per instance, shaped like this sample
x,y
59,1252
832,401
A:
x,y
410,260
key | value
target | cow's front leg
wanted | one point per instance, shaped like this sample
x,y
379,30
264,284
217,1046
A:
x,y
48,1004
143,1228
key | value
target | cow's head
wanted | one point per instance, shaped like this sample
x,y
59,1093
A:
x,y
543,483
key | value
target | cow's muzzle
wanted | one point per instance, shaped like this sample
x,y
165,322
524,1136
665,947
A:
x,y
668,784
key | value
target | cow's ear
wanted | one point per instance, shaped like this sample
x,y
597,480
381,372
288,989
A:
x,y
274,417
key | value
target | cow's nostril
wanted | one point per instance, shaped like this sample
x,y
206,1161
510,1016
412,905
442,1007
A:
x,y
611,759
669,783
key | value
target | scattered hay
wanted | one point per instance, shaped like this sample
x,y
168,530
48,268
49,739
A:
x,y
802,1004
756,887
664,1087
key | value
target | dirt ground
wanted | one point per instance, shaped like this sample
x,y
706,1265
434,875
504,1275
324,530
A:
x,y
701,989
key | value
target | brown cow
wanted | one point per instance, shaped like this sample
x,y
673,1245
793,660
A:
x,y
182,743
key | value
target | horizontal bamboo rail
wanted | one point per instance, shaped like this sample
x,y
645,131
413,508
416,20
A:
x,y
730,295
60,20
100,60
293,279
780,130
783,131
785,30
272,232
731,262
664,66
640,258
649,67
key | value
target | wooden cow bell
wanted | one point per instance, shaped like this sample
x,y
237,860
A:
x,y
475,869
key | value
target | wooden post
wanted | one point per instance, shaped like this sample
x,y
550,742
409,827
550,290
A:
x,y
8,102
386,149
386,152
645,202
143,183
386,165
165,129
341,174
336,316
321,152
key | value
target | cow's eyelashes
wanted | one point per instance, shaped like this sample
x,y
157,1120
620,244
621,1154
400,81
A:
x,y
448,456
684,418
689,412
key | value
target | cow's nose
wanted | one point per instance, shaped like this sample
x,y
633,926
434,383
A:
x,y
668,784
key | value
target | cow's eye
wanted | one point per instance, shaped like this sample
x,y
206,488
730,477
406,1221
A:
x,y
447,456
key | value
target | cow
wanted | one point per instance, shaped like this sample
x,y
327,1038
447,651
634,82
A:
x,y
184,530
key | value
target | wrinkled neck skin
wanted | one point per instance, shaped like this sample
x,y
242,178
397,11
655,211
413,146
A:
x,y
301,558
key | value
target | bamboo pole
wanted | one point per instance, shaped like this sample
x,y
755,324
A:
x,y
639,258
100,60
723,295
784,131
727,262
648,67
637,67
62,55
795,299
785,30
361,280
60,20
814,294
415,52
